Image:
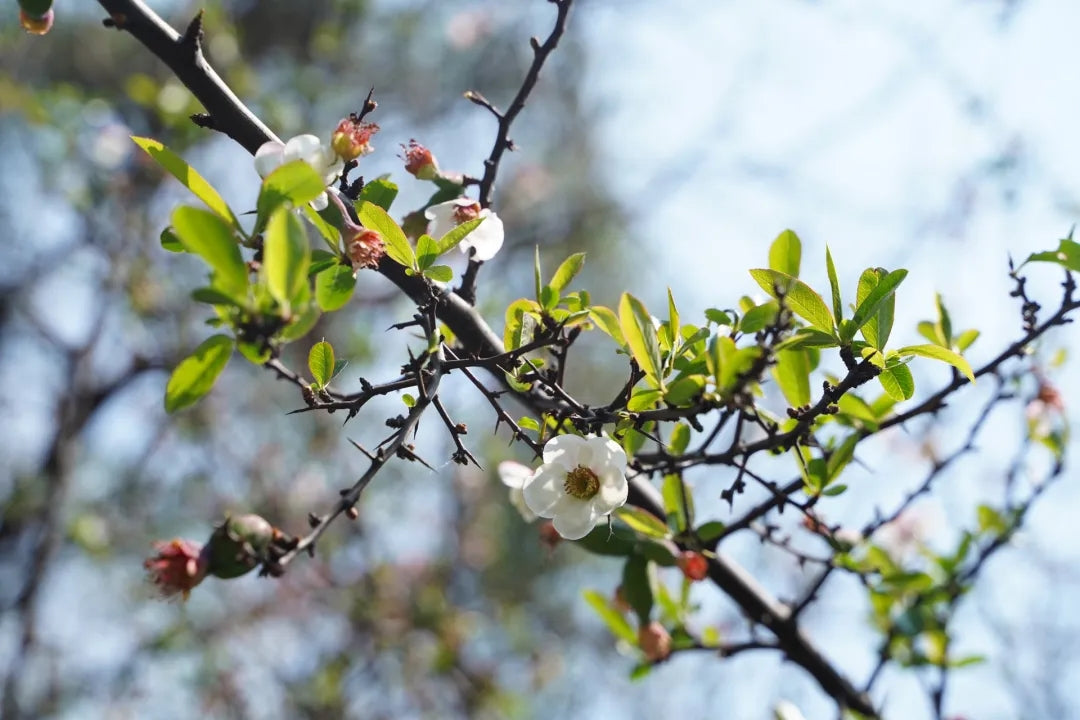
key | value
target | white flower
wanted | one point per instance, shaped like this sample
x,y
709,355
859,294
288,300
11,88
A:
x,y
514,475
485,240
308,148
582,480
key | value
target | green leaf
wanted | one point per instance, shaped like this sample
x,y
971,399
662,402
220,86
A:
x,y
759,317
897,382
876,289
792,373
685,389
170,242
379,191
1067,255
301,323
944,321
187,175
637,588
834,286
840,457
294,184
797,295
528,423
964,340
711,530
637,327
456,234
286,256
205,234
785,255
643,522
674,326
334,287
427,251
567,271
212,296
330,233
439,273
680,439
808,338
679,516
643,398
373,217
339,365
196,373
718,316
515,330
936,352
611,542
616,622
538,279
607,321
321,362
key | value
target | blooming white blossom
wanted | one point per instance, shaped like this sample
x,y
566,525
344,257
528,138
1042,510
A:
x,y
485,240
786,710
308,148
582,480
514,475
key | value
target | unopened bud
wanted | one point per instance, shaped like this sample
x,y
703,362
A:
x,y
352,138
36,24
693,565
655,641
419,161
238,545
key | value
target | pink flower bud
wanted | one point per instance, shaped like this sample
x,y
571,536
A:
x,y
364,247
36,24
655,642
352,138
693,565
419,161
178,566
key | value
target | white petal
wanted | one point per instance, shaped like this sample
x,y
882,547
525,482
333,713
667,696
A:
x,y
268,157
607,453
307,148
566,451
442,218
486,239
613,492
514,474
544,490
575,520
517,499
320,203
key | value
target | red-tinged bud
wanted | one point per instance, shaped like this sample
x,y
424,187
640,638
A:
x,y
364,247
352,138
178,567
655,641
1051,397
36,24
238,545
419,161
693,565
549,536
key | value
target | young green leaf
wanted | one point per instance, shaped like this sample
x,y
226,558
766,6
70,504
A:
x,y
205,234
834,286
944,321
607,321
170,242
514,332
321,362
538,279
792,374
427,251
637,327
876,296
293,184
679,515
759,317
685,389
797,295
897,381
455,235
936,352
439,273
613,618
785,254
680,439
286,256
567,271
398,248
334,286
642,521
379,191
188,176
674,326
1067,255
196,373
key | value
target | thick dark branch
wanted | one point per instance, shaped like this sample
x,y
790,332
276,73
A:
x,y
183,54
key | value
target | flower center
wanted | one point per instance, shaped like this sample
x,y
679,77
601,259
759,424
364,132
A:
x,y
582,483
464,213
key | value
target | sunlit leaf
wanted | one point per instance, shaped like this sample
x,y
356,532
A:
x,y
188,176
798,296
321,362
286,256
334,286
785,253
196,374
205,234
398,248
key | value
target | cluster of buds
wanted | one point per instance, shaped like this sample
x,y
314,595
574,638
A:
x,y
235,547
36,16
